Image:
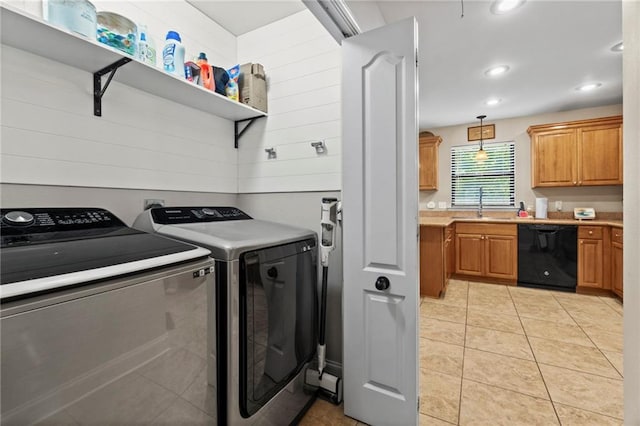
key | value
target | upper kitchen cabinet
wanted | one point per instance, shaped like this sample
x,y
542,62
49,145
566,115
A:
x,y
428,149
577,153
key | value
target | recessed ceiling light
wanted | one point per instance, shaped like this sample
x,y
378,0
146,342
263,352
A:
x,y
499,7
497,70
493,101
618,47
588,87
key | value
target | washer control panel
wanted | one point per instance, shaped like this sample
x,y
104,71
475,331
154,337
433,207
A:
x,y
39,220
177,215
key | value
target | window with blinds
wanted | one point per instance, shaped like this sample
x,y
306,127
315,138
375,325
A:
x,y
496,175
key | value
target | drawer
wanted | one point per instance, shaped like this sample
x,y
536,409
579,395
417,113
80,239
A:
x,y
594,232
487,228
616,235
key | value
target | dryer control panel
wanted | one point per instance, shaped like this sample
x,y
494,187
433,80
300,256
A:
x,y
177,215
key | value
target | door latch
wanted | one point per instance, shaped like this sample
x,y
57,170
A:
x,y
382,283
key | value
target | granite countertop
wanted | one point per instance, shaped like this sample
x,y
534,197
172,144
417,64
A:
x,y
443,221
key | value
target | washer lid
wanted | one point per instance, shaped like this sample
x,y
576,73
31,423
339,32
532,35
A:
x,y
47,248
48,267
228,239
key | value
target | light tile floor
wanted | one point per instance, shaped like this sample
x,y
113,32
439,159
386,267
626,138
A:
x,y
500,355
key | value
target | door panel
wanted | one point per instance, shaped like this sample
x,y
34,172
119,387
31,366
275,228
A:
x,y
590,268
380,224
500,257
428,165
601,155
555,158
469,254
383,202
383,317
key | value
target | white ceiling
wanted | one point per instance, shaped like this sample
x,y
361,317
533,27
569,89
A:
x,y
551,46
241,16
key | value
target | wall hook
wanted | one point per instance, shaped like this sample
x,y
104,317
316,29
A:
x,y
320,147
271,152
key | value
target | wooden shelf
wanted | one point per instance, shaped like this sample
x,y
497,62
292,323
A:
x,y
26,32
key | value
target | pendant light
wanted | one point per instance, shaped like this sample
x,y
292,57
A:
x,y
481,155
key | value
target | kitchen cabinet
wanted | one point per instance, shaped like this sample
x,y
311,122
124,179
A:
x,y
616,261
577,153
428,154
436,252
592,247
487,251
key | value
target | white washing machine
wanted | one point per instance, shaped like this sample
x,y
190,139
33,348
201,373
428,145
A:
x,y
86,303
267,308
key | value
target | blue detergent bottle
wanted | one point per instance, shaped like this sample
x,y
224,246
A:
x,y
173,55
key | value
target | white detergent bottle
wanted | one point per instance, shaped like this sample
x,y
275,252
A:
x,y
173,55
142,44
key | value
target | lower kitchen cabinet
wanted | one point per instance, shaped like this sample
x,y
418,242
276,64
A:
x,y
616,261
436,251
592,246
487,251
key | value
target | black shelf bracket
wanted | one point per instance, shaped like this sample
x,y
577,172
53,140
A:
x,y
236,126
98,90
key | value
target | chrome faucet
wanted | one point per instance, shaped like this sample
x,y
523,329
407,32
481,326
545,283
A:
x,y
480,203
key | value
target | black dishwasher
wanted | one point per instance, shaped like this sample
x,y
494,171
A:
x,y
547,256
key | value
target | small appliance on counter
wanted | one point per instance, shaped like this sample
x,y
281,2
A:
x,y
584,213
541,208
522,212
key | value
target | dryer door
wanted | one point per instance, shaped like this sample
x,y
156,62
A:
x,y
278,311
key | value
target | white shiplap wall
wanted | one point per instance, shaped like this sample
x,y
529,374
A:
x,y
50,135
302,62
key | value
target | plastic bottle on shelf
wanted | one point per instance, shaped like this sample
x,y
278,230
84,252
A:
x,y
146,47
142,44
206,72
173,55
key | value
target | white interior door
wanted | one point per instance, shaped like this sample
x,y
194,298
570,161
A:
x,y
380,218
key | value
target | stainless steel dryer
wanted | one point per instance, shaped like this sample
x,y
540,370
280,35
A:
x,y
92,312
267,307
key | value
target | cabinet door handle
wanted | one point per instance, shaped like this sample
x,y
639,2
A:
x,y
574,182
590,232
581,242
